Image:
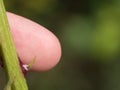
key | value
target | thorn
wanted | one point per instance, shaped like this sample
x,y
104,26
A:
x,y
31,63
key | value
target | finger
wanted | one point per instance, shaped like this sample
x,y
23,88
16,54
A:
x,y
34,41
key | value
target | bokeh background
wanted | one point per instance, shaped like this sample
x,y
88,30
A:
x,y
89,34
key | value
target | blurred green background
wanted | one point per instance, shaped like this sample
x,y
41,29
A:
x,y
89,34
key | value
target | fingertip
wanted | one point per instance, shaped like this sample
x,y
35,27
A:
x,y
33,40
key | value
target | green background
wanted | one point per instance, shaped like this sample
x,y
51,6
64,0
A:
x,y
89,34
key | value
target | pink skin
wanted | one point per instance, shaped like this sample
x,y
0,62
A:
x,y
34,41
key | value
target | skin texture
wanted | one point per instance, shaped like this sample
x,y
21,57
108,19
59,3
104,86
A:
x,y
34,41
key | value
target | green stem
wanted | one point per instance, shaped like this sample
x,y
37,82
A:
x,y
9,55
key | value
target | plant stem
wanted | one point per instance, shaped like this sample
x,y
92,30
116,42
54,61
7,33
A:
x,y
9,54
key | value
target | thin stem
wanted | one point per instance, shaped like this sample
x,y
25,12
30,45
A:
x,y
9,55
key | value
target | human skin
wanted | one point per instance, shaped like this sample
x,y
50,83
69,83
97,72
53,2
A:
x,y
34,41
